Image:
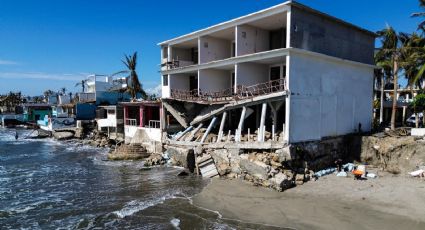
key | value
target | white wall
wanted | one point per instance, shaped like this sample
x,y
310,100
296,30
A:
x,y
214,80
181,54
179,81
140,135
328,97
64,99
165,91
248,74
217,49
256,40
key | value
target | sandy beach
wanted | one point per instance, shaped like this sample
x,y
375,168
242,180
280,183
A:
x,y
388,202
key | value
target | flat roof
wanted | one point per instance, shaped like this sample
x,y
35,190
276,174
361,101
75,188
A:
x,y
271,10
36,105
138,103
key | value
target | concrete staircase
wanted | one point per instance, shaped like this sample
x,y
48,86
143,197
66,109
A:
x,y
129,152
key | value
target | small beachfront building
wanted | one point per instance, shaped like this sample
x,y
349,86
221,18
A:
x,y
142,122
110,120
35,112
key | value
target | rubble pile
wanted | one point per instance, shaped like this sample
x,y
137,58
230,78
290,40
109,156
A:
x,y
397,155
155,159
267,169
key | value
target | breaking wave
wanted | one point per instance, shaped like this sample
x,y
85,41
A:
x,y
136,205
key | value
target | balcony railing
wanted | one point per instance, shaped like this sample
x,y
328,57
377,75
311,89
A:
x,y
154,124
131,122
87,97
168,65
242,92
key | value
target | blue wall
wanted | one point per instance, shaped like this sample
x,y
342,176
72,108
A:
x,y
85,111
111,98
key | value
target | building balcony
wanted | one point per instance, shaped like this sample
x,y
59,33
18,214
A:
x,y
174,64
87,97
241,92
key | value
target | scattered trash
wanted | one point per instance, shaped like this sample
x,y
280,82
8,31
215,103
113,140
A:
x,y
362,168
371,175
342,174
348,167
325,172
418,173
358,174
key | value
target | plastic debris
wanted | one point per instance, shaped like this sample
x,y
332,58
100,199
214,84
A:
x,y
417,173
371,175
348,167
325,172
342,174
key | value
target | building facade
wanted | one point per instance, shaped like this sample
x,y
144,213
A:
x,y
288,69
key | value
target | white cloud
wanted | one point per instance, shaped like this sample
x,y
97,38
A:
x,y
156,90
42,76
7,62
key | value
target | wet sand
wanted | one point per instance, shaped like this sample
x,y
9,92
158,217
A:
x,y
330,203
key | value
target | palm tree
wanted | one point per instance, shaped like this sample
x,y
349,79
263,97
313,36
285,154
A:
x,y
63,91
133,84
48,93
412,61
388,58
83,84
421,25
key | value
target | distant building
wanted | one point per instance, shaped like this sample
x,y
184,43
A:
x,y
104,90
35,112
110,120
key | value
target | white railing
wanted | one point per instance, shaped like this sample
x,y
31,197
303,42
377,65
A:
x,y
155,124
131,122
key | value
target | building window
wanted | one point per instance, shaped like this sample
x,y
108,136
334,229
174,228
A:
x,y
111,111
243,34
205,44
165,80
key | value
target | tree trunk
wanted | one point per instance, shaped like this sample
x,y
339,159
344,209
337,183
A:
x,y
417,118
381,108
395,81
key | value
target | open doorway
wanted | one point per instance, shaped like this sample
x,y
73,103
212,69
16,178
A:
x,y
193,83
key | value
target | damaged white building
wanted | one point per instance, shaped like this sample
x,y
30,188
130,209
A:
x,y
286,74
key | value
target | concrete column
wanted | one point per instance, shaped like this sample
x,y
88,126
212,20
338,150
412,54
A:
x,y
404,115
163,111
170,53
141,111
192,135
209,129
262,121
220,132
184,133
240,126
125,115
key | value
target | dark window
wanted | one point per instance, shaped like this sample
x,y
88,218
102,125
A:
x,y
277,39
193,83
165,80
274,73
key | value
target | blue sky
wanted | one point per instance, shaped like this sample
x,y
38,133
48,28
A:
x,y
49,44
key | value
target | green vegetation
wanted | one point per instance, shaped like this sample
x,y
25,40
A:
x,y
402,53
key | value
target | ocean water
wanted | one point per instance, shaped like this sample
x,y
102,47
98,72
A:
x,y
46,184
